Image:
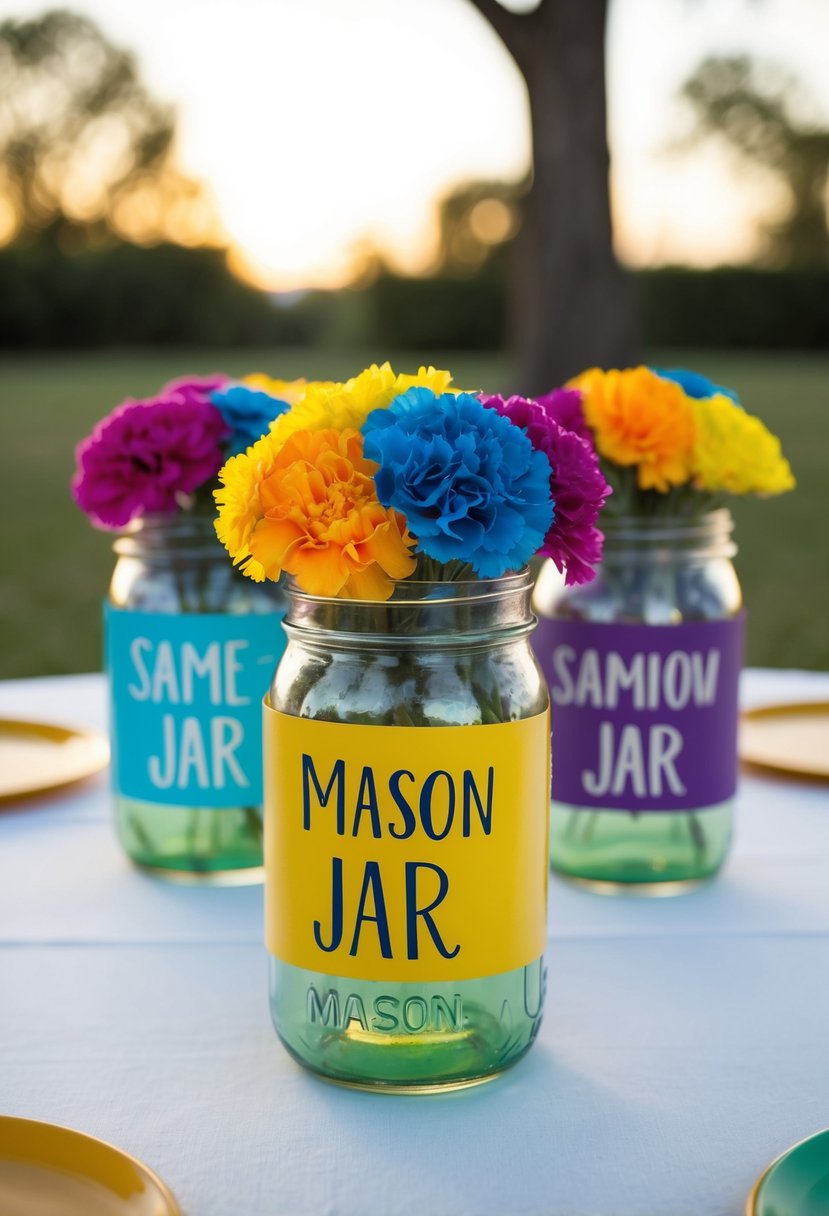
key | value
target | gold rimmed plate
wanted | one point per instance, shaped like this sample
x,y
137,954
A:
x,y
790,740
796,1183
36,757
46,1169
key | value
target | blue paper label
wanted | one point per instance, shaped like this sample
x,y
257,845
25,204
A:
x,y
186,702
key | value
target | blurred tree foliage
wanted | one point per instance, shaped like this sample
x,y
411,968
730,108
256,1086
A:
x,y
736,306
96,217
475,220
126,295
450,311
733,306
763,115
86,151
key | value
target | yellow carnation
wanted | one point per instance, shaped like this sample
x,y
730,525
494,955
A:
x,y
426,377
735,453
640,419
239,502
284,390
348,405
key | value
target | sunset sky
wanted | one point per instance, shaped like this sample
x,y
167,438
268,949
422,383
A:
x,y
323,125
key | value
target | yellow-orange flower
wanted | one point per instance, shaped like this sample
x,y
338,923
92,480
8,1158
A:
x,y
735,453
309,507
640,419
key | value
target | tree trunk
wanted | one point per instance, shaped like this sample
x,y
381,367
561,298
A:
x,y
573,306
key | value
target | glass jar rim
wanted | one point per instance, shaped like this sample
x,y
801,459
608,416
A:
x,y
428,591
716,517
711,528
454,614
159,533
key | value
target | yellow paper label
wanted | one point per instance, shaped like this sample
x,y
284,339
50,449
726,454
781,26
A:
x,y
403,852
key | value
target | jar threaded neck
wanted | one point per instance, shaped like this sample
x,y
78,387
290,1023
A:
x,y
452,613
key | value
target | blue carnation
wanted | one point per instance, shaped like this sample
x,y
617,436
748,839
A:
x,y
694,384
248,412
468,481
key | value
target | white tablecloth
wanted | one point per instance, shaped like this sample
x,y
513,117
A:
x,y
685,1041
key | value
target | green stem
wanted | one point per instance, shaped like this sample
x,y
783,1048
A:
x,y
192,833
141,835
590,825
215,832
253,820
697,833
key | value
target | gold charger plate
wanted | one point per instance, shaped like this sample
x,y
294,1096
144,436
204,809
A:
x,y
46,1169
789,740
39,756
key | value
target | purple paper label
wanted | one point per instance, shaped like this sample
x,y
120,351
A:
x,y
644,716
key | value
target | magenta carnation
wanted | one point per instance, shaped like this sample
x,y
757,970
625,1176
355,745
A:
x,y
564,406
199,388
145,454
577,485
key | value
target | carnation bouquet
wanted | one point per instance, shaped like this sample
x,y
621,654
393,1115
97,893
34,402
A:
x,y
674,447
400,491
673,443
160,455
386,477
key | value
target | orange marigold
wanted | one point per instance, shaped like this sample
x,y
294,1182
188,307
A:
x,y
322,522
640,419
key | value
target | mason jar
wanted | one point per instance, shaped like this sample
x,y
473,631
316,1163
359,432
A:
x,y
190,646
406,807
643,666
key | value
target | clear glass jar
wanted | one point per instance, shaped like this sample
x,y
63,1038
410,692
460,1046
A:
x,y
450,655
643,666
190,646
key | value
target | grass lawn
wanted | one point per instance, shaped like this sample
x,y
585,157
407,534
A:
x,y
55,568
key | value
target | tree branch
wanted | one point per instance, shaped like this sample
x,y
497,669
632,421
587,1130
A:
x,y
514,29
